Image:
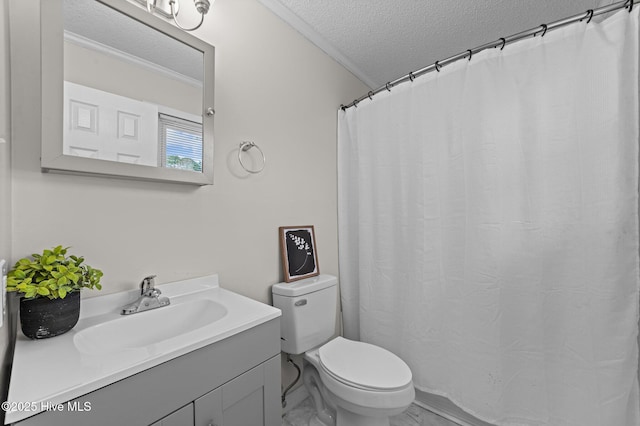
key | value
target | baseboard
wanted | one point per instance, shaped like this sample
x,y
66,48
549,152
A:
x,y
295,397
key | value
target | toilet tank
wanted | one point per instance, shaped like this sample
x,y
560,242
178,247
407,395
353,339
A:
x,y
308,312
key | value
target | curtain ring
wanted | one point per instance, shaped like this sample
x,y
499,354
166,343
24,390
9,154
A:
x,y
438,66
387,86
589,14
630,6
355,103
370,94
411,76
246,146
504,41
342,107
544,30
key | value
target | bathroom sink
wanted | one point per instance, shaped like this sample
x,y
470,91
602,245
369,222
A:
x,y
149,327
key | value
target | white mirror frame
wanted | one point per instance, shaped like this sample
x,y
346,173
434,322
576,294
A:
x,y
52,62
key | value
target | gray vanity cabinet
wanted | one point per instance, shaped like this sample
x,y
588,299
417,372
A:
x,y
233,382
244,401
247,400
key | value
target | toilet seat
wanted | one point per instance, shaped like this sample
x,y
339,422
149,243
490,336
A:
x,y
363,366
383,388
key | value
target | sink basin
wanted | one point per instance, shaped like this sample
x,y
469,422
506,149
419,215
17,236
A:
x,y
147,328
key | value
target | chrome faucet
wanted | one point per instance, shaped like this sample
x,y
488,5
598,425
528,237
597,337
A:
x,y
149,298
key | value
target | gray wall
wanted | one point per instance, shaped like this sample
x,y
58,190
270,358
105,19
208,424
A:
x,y
5,188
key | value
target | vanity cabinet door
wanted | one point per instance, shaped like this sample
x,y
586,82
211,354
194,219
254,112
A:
x,y
182,417
251,399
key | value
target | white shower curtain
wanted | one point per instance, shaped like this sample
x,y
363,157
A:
x,y
488,227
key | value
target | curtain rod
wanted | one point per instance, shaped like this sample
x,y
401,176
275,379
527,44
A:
x,y
541,29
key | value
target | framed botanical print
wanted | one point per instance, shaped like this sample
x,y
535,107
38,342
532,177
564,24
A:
x,y
298,251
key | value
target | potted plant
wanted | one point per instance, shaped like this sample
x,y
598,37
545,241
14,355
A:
x,y
50,284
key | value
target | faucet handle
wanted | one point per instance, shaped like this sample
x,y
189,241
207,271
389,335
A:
x,y
147,284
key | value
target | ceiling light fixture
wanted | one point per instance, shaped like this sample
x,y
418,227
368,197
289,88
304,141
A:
x,y
170,8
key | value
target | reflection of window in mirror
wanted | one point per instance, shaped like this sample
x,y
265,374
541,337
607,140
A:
x,y
180,143
131,93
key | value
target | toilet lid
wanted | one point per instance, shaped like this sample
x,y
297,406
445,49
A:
x,y
363,365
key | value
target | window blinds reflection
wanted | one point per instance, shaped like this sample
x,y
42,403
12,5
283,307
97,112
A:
x,y
181,143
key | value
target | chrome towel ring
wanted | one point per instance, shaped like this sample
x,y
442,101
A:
x,y
246,146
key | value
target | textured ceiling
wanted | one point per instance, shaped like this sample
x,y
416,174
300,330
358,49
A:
x,y
381,40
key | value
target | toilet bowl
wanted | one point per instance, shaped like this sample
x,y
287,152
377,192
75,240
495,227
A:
x,y
363,383
352,383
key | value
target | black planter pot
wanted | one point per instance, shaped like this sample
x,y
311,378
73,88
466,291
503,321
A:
x,y
42,317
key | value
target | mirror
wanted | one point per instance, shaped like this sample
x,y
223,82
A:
x,y
129,95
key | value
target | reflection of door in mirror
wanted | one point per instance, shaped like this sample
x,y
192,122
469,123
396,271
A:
x,y
131,93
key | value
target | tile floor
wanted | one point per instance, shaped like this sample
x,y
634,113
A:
x,y
413,416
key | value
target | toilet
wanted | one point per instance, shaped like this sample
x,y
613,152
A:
x,y
352,383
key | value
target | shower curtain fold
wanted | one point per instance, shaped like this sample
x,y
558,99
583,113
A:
x,y
488,227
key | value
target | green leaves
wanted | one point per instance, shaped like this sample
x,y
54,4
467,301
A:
x,y
52,274
21,275
62,291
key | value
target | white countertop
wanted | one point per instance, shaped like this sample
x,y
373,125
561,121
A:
x,y
52,371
